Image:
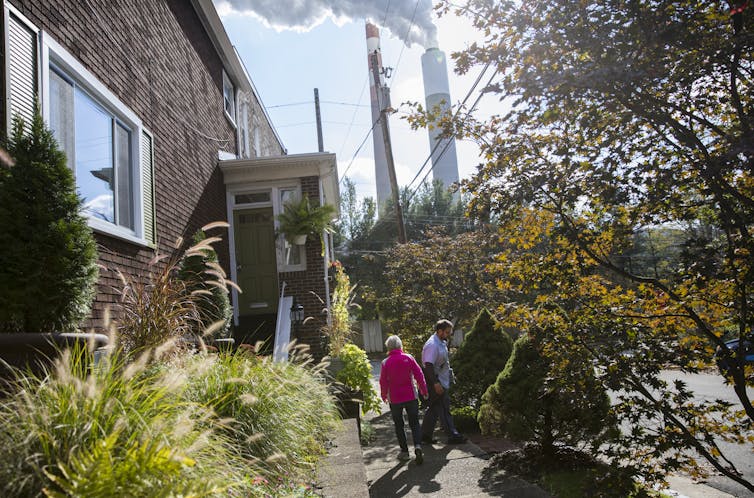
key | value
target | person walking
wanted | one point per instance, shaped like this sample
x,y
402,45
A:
x,y
439,376
397,376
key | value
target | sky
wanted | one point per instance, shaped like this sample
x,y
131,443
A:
x,y
291,47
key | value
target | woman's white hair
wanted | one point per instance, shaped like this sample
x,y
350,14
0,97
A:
x,y
393,342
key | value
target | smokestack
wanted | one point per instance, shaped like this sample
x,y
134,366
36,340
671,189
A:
x,y
379,97
437,93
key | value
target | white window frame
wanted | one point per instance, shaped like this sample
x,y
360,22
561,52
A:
x,y
52,52
228,85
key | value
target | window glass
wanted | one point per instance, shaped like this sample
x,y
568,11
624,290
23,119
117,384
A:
x,y
99,149
123,164
61,112
253,197
229,98
94,157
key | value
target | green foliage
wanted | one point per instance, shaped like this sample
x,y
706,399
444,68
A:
x,y
356,219
205,278
126,427
200,425
281,413
440,276
303,218
625,119
48,262
338,331
357,374
530,402
465,418
480,358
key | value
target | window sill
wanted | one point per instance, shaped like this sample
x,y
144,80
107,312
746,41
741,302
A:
x,y
104,228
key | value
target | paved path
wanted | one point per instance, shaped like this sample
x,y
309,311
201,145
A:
x,y
448,470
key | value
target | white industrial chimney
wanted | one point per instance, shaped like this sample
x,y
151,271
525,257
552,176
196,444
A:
x,y
437,93
380,97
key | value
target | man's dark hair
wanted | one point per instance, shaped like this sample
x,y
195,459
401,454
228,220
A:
x,y
443,324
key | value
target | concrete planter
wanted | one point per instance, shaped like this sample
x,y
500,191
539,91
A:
x,y
36,351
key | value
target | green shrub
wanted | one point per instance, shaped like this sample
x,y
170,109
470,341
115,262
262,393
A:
x,y
48,264
480,358
465,419
117,430
205,278
279,414
529,402
357,374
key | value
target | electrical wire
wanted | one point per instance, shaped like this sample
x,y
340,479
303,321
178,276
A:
x,y
403,45
358,149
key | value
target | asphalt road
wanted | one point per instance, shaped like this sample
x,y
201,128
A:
x,y
711,387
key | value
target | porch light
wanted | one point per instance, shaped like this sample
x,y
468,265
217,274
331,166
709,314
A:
x,y
297,313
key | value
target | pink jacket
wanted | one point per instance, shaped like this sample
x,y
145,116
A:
x,y
396,384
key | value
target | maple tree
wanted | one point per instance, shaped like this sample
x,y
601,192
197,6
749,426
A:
x,y
623,117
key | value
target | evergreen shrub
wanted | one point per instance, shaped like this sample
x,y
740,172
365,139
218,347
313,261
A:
x,y
199,271
480,358
530,401
48,264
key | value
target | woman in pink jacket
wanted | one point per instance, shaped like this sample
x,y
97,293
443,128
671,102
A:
x,y
397,376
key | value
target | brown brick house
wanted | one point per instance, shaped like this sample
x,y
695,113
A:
x,y
165,133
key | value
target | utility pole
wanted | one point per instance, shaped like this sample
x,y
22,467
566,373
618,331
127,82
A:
x,y
319,120
388,150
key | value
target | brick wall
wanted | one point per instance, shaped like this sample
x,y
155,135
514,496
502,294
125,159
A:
x,y
301,284
157,58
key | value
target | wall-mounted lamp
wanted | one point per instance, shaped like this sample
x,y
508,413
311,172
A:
x,y
297,313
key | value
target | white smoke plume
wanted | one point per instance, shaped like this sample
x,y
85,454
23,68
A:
x,y
409,20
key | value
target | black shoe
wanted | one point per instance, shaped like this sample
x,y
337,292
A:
x,y
419,456
428,440
457,439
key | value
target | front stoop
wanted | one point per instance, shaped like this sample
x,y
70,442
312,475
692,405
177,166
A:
x,y
342,472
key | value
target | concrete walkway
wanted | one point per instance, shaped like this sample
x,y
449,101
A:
x,y
458,470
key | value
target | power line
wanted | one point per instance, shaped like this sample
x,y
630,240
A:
x,y
359,148
403,45
437,144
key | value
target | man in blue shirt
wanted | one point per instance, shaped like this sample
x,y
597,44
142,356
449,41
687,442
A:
x,y
439,376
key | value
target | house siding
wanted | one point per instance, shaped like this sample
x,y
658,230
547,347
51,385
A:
x,y
158,59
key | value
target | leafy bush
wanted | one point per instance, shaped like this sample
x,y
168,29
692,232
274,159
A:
x,y
48,261
280,413
116,430
480,358
206,278
528,402
465,418
357,374
338,330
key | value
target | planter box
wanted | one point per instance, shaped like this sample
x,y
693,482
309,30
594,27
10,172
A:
x,y
349,403
37,351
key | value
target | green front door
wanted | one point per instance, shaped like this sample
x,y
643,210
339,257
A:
x,y
255,261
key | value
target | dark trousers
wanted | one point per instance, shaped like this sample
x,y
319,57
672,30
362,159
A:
x,y
412,410
438,408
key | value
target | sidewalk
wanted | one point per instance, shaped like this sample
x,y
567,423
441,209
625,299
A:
x,y
448,470
460,470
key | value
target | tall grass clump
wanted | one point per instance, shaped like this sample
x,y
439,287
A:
x,y
114,430
158,307
279,414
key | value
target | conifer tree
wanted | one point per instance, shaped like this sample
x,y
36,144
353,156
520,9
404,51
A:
x,y
480,358
529,402
48,264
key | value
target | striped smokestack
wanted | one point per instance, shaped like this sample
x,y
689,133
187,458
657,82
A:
x,y
437,93
379,97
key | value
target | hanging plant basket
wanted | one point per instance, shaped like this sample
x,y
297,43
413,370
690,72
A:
x,y
298,240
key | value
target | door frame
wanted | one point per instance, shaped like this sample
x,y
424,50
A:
x,y
274,203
